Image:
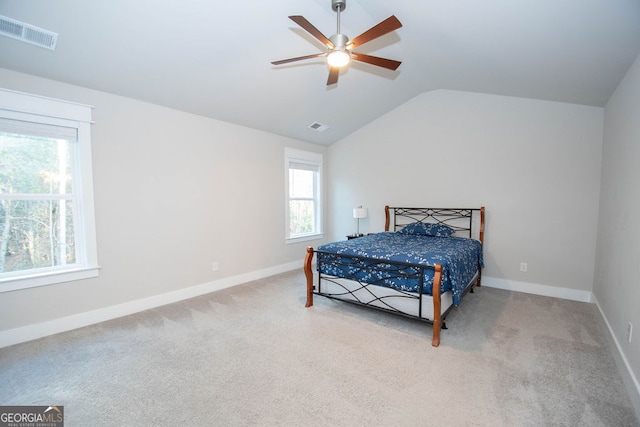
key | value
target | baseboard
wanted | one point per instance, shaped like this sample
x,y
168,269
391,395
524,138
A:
x,y
536,289
628,377
631,382
63,324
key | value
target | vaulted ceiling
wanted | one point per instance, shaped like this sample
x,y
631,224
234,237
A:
x,y
213,57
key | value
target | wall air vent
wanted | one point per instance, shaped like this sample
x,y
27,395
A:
x,y
318,127
28,33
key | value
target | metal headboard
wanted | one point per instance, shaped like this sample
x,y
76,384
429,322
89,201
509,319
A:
x,y
467,222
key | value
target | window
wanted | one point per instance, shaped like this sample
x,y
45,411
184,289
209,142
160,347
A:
x,y
303,176
47,231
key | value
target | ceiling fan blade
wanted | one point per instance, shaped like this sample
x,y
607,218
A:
x,y
309,28
390,24
374,60
299,58
334,72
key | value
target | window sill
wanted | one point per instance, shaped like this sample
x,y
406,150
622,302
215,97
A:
x,y
305,238
49,278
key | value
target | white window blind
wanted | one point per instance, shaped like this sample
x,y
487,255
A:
x,y
304,166
21,127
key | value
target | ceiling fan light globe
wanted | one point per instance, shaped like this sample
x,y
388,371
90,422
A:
x,y
338,58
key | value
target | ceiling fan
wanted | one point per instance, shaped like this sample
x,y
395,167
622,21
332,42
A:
x,y
341,48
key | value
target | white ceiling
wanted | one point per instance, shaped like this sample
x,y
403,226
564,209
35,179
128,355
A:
x,y
212,57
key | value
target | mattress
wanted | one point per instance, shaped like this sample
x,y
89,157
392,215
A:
x,y
363,260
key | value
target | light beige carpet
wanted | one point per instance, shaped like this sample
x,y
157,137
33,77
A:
x,y
253,355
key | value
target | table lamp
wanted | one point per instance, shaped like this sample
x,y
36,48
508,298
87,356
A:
x,y
358,213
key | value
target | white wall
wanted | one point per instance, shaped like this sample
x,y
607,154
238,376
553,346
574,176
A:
x,y
173,193
534,165
617,276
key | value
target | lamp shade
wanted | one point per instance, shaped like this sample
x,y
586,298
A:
x,y
360,212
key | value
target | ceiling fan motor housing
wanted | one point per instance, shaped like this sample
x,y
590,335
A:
x,y
335,4
339,41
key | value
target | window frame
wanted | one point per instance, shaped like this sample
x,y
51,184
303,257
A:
x,y
315,160
39,109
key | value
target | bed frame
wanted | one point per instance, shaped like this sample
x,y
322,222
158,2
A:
x,y
466,223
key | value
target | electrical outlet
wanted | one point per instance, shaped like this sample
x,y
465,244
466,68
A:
x,y
523,267
629,330
215,266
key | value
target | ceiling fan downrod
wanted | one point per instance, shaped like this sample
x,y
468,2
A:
x,y
338,6
339,40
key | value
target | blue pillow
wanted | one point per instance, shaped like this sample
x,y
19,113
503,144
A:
x,y
427,229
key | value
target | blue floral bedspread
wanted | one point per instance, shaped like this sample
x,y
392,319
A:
x,y
460,259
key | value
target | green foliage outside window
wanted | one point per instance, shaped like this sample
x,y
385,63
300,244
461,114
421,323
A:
x,y
36,208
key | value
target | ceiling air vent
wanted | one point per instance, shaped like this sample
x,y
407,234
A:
x,y
28,33
318,127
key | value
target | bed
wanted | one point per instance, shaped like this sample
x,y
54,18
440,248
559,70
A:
x,y
421,266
